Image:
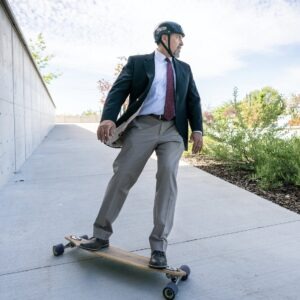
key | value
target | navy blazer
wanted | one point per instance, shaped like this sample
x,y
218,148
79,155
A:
x,y
136,79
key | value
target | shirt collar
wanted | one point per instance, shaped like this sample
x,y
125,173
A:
x,y
161,57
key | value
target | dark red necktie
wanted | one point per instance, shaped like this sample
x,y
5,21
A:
x,y
169,112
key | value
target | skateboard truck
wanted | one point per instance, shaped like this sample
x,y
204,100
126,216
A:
x,y
60,248
171,288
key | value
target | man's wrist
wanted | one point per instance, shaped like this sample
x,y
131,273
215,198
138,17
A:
x,y
199,131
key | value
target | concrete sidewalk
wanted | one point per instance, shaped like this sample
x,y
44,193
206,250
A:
x,y
238,245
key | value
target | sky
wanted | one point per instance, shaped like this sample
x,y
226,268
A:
x,y
228,43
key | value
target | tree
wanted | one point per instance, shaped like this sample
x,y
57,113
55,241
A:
x,y
261,108
246,135
38,51
293,109
120,64
104,85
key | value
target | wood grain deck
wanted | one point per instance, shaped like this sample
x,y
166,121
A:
x,y
126,257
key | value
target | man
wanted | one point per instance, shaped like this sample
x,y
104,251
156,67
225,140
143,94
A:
x,y
164,98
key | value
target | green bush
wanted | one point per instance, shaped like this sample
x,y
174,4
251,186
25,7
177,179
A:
x,y
245,134
277,162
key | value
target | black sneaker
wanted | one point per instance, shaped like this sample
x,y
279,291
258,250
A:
x,y
158,260
94,244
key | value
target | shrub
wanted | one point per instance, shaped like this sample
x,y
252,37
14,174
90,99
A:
x,y
245,134
277,162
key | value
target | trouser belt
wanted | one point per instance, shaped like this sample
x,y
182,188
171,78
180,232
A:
x,y
159,117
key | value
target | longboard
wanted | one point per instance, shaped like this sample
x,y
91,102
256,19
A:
x,y
129,258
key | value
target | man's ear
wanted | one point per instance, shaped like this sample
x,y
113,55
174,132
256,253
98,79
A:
x,y
164,38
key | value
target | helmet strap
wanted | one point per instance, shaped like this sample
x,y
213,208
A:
x,y
167,48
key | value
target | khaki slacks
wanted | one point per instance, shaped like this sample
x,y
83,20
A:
x,y
144,135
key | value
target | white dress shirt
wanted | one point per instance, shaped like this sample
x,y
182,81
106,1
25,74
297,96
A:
x,y
154,103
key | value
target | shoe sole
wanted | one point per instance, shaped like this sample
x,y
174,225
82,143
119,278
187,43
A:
x,y
93,249
157,267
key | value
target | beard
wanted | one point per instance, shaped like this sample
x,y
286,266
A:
x,y
177,52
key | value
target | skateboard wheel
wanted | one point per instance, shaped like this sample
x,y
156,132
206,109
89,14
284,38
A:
x,y
187,270
58,249
170,290
85,237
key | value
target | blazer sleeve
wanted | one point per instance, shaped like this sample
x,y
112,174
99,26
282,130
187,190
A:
x,y
119,92
194,106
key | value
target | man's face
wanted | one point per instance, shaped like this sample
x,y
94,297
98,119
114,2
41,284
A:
x,y
175,43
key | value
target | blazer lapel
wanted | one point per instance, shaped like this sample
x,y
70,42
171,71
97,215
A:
x,y
179,78
150,71
150,66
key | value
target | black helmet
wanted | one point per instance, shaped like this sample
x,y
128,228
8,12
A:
x,y
167,28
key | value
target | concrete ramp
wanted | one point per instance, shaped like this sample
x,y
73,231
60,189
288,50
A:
x,y
238,245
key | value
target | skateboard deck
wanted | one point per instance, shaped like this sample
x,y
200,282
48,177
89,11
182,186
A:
x,y
125,257
129,258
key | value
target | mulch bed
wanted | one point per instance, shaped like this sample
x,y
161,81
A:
x,y
286,196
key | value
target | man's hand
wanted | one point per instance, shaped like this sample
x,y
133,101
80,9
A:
x,y
197,139
105,130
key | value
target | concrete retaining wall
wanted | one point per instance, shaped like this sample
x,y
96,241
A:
x,y
27,112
